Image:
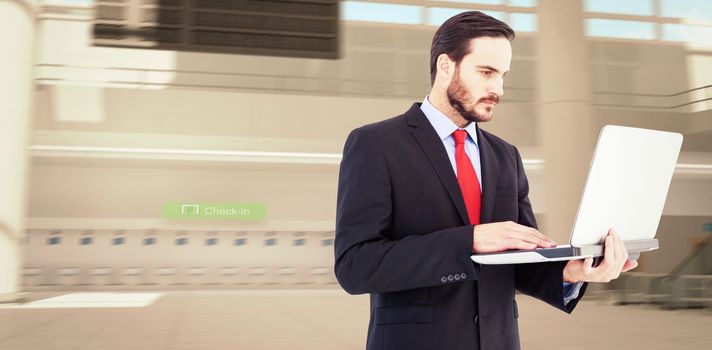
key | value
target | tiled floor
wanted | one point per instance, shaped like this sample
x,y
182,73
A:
x,y
317,319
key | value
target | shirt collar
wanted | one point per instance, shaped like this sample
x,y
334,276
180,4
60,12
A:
x,y
443,125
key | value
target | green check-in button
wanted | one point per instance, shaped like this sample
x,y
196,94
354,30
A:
x,y
214,211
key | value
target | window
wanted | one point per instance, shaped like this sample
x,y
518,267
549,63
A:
x,y
299,241
686,9
523,22
438,15
380,12
415,14
211,241
522,3
181,241
627,7
240,241
327,242
270,241
117,241
149,241
689,14
54,240
620,29
86,240
681,32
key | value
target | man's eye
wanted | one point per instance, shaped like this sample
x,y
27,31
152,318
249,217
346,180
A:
x,y
486,72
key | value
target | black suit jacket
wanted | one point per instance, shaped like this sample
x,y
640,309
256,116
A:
x,y
403,235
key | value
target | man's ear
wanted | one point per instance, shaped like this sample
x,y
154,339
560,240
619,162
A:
x,y
445,66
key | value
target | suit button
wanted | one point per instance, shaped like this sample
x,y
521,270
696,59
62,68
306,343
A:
x,y
443,279
477,318
450,278
463,275
457,277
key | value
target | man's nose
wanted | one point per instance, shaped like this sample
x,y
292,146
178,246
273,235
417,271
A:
x,y
497,87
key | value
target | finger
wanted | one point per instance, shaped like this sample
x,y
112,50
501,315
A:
x,y
622,252
541,236
588,268
621,256
608,251
617,254
532,232
530,239
629,265
519,244
624,249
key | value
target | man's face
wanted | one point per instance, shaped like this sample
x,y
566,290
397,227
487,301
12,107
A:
x,y
476,85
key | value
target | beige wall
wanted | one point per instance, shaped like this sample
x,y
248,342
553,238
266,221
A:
x,y
138,191
174,100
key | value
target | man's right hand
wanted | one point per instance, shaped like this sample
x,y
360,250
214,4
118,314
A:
x,y
500,236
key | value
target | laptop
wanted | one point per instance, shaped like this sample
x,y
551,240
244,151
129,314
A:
x,y
625,190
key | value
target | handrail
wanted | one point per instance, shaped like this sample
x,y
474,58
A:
x,y
145,83
705,245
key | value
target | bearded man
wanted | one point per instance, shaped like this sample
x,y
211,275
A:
x,y
420,192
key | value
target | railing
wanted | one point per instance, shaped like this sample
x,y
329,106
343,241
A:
x,y
150,78
689,285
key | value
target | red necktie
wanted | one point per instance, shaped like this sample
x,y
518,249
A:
x,y
467,178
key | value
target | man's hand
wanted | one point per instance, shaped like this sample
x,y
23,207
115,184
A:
x,y
499,236
615,261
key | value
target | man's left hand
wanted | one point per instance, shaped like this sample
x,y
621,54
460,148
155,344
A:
x,y
615,261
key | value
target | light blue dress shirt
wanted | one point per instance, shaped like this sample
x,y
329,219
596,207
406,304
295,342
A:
x,y
444,127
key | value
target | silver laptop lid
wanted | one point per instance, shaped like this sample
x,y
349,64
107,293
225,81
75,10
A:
x,y
627,184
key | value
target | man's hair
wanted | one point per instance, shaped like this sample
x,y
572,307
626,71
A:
x,y
453,37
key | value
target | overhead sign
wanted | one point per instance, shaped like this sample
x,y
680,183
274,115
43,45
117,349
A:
x,y
214,211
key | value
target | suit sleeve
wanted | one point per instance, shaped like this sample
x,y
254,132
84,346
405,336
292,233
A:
x,y
543,281
366,259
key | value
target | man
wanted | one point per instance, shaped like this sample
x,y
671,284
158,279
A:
x,y
421,192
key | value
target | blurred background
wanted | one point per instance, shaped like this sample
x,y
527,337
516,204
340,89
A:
x,y
168,168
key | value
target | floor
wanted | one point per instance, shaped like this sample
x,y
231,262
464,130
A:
x,y
306,319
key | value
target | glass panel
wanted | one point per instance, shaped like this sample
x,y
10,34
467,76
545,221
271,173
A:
x,y
327,242
271,241
211,241
484,2
380,12
117,241
523,22
181,241
240,241
149,241
523,3
681,32
85,240
692,9
298,242
627,7
438,15
620,29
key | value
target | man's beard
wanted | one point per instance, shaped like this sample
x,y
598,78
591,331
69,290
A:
x,y
458,96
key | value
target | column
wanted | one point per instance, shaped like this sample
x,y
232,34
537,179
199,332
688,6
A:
x,y
17,38
567,130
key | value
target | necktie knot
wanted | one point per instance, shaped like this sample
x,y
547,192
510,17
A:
x,y
460,136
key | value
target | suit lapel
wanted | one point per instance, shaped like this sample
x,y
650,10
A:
x,y
432,146
490,168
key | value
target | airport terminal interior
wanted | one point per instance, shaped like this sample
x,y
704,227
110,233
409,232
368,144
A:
x,y
168,168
